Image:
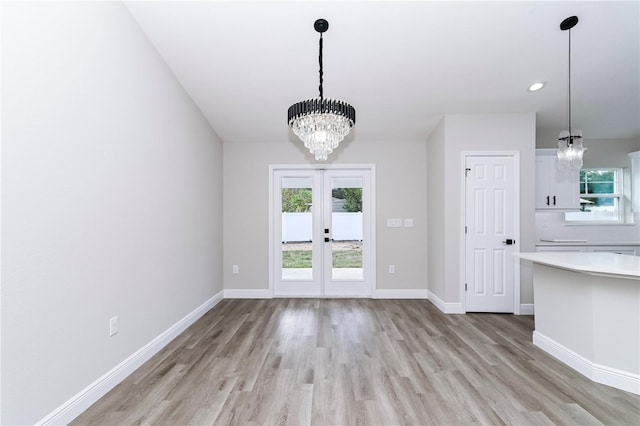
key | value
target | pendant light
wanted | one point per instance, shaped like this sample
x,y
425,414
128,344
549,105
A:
x,y
570,149
321,123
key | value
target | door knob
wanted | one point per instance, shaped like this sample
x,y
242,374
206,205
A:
x,y
509,241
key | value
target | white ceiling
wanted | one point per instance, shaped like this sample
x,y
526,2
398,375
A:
x,y
402,65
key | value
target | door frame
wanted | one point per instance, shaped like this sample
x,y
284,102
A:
x,y
516,222
372,217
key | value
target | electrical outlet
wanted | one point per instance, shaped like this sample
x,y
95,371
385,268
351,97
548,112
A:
x,y
392,269
113,326
236,269
408,223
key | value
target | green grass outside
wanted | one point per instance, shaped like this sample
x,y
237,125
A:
x,y
341,259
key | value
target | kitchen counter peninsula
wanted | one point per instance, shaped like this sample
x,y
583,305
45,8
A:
x,y
587,313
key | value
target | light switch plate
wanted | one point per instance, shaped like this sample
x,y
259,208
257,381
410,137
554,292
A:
x,y
394,223
408,223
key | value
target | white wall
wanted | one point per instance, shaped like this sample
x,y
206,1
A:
x,y
111,200
401,193
506,132
413,178
436,188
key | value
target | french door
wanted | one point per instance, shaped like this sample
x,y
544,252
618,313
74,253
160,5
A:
x,y
322,232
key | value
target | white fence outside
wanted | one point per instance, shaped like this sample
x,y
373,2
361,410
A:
x,y
298,226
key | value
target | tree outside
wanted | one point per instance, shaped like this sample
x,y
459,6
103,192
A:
x,y
352,198
296,200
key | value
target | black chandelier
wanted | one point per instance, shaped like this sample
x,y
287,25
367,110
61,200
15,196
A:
x,y
321,123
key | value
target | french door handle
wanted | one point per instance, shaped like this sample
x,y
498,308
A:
x,y
327,239
554,200
547,200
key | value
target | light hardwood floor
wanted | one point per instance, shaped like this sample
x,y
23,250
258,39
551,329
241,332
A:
x,y
357,361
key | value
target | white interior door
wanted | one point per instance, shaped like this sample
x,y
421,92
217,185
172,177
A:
x,y
490,208
322,233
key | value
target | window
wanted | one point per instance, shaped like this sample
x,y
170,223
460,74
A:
x,y
600,197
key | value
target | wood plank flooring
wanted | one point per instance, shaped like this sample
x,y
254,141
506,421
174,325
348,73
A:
x,y
357,362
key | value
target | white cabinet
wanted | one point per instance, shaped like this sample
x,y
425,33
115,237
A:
x,y
555,190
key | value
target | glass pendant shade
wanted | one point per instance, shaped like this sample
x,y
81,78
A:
x,y
570,150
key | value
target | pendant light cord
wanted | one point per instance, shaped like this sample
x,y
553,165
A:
x,y
570,141
320,60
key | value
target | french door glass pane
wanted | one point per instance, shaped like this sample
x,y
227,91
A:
x,y
297,228
347,229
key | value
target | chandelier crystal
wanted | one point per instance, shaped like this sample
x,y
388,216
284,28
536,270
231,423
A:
x,y
570,149
321,123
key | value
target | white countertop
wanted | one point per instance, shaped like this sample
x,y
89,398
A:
x,y
608,264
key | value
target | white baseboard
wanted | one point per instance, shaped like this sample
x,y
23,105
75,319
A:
x,y
247,293
400,294
378,294
96,390
526,309
618,379
447,308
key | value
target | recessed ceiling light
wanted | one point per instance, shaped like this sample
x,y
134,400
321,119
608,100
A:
x,y
536,86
